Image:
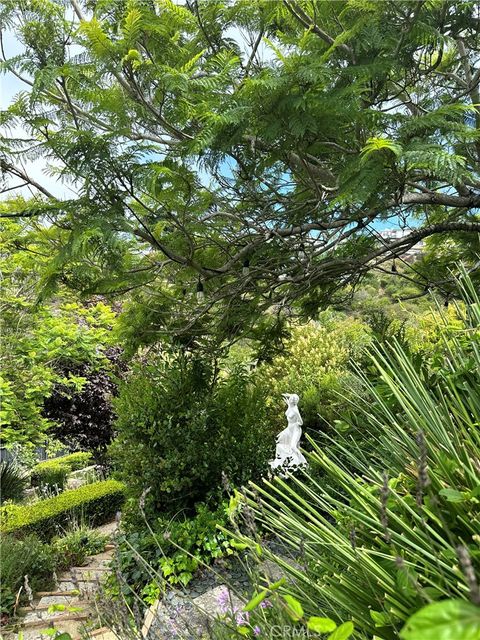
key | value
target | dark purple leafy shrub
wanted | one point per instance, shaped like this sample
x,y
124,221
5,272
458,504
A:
x,y
84,420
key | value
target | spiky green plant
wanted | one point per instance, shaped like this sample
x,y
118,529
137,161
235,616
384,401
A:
x,y
382,535
13,482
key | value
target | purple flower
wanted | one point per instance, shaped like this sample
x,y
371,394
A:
x,y
265,604
223,600
242,617
256,630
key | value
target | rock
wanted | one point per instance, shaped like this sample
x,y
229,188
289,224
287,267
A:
x,y
47,601
80,477
217,601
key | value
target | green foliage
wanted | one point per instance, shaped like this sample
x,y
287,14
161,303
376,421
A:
x,y
191,543
444,620
73,461
181,425
40,340
171,551
13,482
50,475
73,548
94,503
315,365
311,128
53,473
270,612
19,558
77,460
395,527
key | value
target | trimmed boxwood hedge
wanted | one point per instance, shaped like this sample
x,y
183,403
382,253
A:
x,y
96,503
55,471
50,475
75,461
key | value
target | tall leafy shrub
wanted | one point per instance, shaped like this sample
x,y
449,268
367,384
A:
x,y
384,534
315,365
19,558
181,427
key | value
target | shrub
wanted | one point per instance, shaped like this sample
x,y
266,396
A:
x,y
73,548
75,461
95,503
53,473
13,482
84,419
180,427
50,475
396,528
315,365
18,558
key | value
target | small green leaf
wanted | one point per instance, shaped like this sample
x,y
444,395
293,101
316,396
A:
x,y
294,608
255,601
452,495
321,625
407,580
277,584
380,619
342,632
243,631
53,608
444,620
238,545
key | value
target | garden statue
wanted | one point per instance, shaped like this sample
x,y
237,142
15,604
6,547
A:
x,y
287,455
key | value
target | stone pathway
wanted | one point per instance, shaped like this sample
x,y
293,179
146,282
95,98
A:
x,y
181,613
73,599
186,615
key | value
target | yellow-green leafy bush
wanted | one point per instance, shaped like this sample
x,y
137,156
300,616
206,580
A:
x,y
75,461
53,473
95,503
315,365
50,475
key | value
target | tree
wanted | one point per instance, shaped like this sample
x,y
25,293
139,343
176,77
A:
x,y
45,348
236,157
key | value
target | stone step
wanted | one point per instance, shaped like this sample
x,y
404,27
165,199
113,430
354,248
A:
x,y
74,627
86,575
74,590
44,619
48,600
104,633
59,592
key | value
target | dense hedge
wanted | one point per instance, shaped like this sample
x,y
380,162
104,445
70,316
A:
x,y
55,471
50,475
73,461
95,503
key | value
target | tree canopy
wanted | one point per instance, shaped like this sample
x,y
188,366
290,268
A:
x,y
231,157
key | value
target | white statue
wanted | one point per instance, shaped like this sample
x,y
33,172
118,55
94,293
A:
x,y
287,454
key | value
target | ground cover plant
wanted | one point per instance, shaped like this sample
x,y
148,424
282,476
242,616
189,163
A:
x,y
19,558
75,545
